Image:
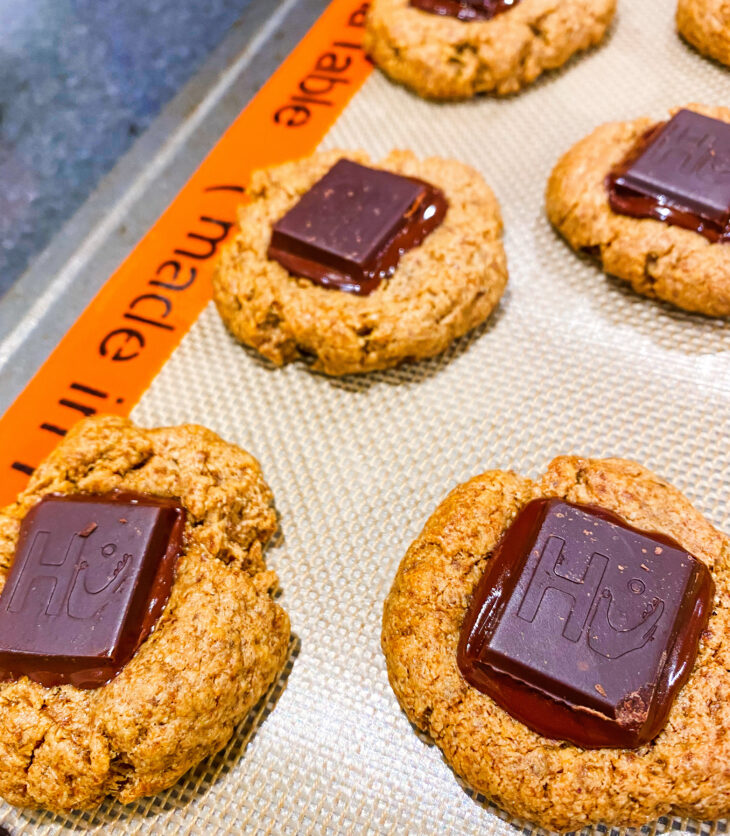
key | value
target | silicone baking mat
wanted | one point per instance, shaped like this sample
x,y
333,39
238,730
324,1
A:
x,y
571,362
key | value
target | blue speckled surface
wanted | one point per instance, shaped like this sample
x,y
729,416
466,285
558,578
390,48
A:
x,y
79,80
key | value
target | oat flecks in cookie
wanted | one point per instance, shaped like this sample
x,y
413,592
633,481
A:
x,y
444,58
219,644
560,786
706,25
440,289
660,261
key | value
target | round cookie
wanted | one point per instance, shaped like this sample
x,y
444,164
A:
x,y
439,291
219,644
441,57
557,784
706,25
658,260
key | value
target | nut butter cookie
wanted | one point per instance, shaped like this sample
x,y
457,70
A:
x,y
652,201
706,25
358,266
458,49
138,621
565,643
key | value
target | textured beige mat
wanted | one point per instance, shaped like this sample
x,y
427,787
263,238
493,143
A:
x,y
571,362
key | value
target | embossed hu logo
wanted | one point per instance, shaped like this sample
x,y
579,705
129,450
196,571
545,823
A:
x,y
57,581
694,150
590,598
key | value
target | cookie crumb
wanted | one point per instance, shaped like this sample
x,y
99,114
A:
x,y
601,690
85,532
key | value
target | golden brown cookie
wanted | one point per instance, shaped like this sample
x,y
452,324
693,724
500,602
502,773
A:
x,y
658,260
441,57
218,646
706,25
439,291
557,784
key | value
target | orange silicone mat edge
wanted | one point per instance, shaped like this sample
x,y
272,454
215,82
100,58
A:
x,y
113,351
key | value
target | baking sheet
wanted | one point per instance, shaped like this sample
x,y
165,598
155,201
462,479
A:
x,y
571,362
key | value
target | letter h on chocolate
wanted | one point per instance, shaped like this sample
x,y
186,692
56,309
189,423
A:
x,y
53,577
550,574
690,144
59,583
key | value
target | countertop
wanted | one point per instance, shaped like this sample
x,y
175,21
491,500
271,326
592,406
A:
x,y
80,81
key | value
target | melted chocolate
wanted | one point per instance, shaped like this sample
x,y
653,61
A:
x,y
351,228
465,9
583,627
91,576
678,172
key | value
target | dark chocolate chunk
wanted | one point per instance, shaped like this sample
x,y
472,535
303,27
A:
x,y
679,172
351,228
583,627
465,9
85,589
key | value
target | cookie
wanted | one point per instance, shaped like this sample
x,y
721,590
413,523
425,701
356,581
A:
x,y
658,259
550,781
442,57
217,647
439,290
706,25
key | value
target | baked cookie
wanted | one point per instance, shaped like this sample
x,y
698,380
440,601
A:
x,y
440,289
560,785
659,259
706,25
442,57
217,647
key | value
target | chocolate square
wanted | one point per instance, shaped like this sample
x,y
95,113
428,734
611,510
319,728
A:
x,y
679,173
91,575
584,627
351,228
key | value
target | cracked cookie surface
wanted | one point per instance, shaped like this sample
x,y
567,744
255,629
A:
x,y
706,25
658,260
217,647
440,289
440,57
684,770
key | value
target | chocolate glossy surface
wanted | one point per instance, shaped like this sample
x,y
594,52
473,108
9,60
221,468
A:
x,y
465,9
678,172
351,228
583,627
90,577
